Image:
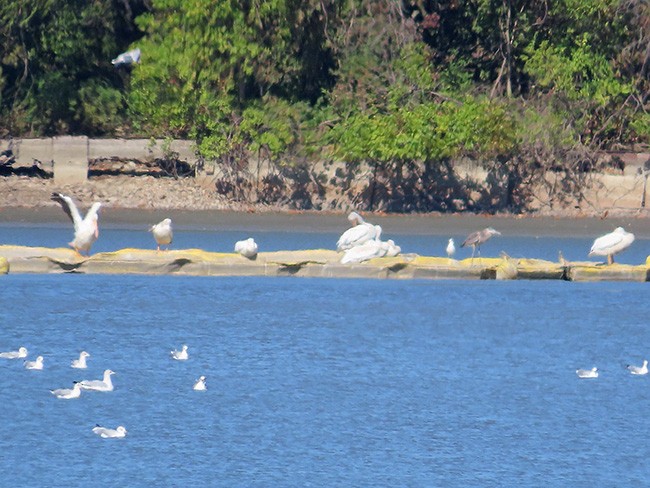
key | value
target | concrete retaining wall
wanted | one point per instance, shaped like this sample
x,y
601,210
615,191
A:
x,y
68,157
314,263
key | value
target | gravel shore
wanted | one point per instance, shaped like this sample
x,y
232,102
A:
x,y
130,200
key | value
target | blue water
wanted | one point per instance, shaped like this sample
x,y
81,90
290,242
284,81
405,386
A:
x,y
114,238
325,382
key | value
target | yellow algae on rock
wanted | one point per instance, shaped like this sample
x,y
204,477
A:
x,y
4,265
604,272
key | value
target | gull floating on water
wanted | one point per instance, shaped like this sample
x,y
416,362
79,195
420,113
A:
x,y
200,384
106,433
587,373
99,385
247,248
163,233
68,393
38,364
451,248
20,353
181,355
638,370
81,362
611,244
86,229
360,232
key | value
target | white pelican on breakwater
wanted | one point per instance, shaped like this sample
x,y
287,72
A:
x,y
360,232
611,244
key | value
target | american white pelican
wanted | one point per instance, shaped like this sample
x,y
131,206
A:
x,y
360,232
587,373
81,362
19,354
200,384
86,229
611,244
181,355
38,364
127,58
475,239
374,248
106,433
638,370
451,248
68,393
105,384
247,248
163,233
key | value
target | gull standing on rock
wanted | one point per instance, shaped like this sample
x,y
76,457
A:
x,y
200,384
162,233
611,244
68,393
81,362
587,373
181,355
106,433
247,248
99,385
38,364
86,229
451,248
19,354
360,232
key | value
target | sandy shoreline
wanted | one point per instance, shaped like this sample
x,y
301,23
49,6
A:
x,y
421,224
142,201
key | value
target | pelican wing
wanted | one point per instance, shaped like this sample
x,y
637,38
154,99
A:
x,y
356,236
611,243
69,208
364,252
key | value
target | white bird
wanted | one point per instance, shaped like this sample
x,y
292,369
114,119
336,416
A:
x,y
68,393
38,364
374,248
638,370
81,362
360,232
200,384
86,229
127,58
105,384
247,248
587,373
451,248
106,433
611,244
181,355
19,354
163,233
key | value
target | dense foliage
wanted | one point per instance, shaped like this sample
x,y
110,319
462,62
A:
x,y
399,91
